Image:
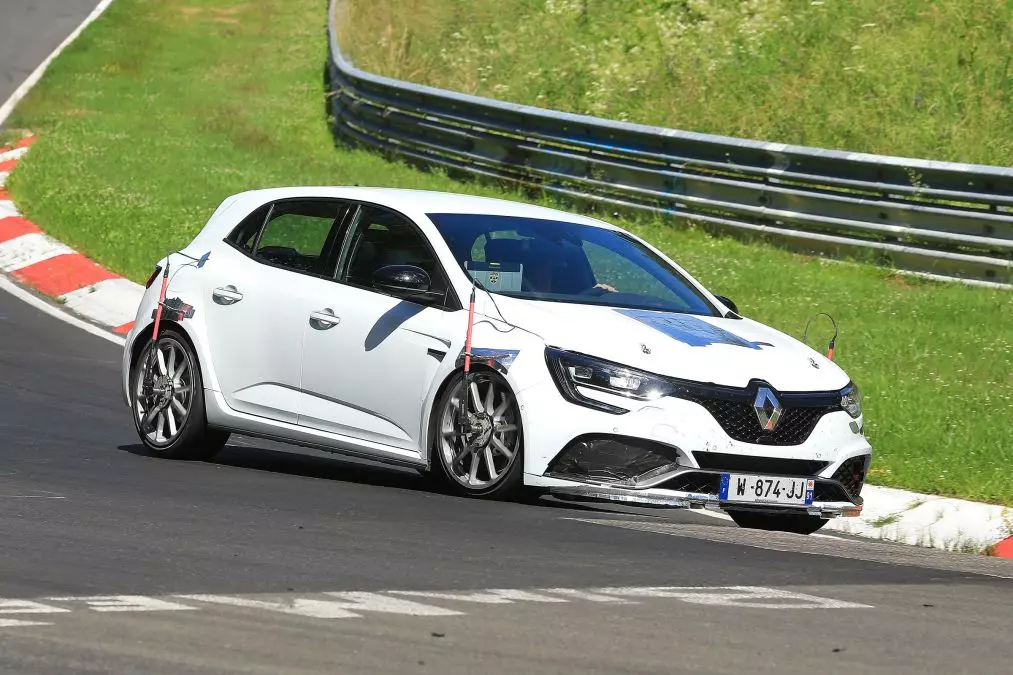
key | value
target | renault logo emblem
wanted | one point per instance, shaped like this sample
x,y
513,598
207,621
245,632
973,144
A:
x,y
768,408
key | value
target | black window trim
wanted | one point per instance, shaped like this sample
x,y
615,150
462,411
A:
x,y
451,301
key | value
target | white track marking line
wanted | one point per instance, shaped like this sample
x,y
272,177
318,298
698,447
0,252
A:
x,y
356,604
126,603
8,107
737,596
494,596
374,602
40,304
17,623
580,594
8,607
330,609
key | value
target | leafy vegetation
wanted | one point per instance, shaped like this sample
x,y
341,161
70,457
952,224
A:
x,y
159,111
905,77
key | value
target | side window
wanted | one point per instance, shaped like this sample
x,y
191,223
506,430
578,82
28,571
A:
x,y
244,236
382,238
302,235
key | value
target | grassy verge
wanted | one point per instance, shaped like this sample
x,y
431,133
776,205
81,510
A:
x,y
161,110
904,77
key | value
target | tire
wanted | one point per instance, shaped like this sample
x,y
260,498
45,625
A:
x,y
180,399
781,522
498,434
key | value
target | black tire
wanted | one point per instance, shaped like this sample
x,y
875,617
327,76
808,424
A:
x,y
780,522
509,485
194,440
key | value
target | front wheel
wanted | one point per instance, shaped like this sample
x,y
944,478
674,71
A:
x,y
168,401
781,522
484,456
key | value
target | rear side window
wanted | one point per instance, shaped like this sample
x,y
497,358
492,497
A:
x,y
244,236
300,235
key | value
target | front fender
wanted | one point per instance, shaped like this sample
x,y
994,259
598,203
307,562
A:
x,y
515,354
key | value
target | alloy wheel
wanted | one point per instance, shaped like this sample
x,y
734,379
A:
x,y
480,456
163,391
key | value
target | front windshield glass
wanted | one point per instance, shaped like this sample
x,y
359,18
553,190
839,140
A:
x,y
558,261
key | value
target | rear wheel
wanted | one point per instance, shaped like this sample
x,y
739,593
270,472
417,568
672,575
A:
x,y
486,459
781,522
168,401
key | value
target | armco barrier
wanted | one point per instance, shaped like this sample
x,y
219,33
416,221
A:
x,y
942,218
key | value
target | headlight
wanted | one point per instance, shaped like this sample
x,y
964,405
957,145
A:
x,y
572,371
851,400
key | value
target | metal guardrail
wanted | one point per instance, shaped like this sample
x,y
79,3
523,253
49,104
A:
x,y
942,218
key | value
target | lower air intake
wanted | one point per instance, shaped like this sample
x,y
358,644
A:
x,y
851,474
610,458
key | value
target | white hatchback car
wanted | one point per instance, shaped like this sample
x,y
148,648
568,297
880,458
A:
x,y
337,318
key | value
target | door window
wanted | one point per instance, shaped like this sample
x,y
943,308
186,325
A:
x,y
302,236
381,238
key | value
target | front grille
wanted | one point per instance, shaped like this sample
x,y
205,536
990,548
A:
x,y
694,481
762,465
738,419
851,474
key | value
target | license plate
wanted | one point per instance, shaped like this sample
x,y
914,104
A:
x,y
737,487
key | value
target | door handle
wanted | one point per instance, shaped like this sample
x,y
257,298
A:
x,y
324,319
226,295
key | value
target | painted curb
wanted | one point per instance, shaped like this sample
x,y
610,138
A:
x,y
931,521
36,260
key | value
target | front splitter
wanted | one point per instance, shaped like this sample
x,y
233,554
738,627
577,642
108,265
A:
x,y
677,500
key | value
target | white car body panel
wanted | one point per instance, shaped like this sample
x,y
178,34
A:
x,y
256,355
366,385
398,349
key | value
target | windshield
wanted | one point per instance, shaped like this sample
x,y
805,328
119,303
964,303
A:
x,y
558,261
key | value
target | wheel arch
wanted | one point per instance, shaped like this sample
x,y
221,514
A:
x,y
144,337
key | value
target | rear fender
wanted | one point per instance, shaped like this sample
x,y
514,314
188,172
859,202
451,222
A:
x,y
185,305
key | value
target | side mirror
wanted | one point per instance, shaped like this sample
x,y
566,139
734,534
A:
x,y
727,302
406,281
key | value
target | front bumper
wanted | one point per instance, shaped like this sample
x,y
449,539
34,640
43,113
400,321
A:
x,y
832,499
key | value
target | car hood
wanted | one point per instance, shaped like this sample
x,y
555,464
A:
x,y
729,352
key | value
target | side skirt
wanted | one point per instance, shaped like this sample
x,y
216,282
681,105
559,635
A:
x,y
221,416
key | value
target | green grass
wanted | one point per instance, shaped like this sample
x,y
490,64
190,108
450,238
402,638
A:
x,y
904,77
160,111
886,520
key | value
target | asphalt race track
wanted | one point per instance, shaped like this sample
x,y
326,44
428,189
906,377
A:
x,y
272,560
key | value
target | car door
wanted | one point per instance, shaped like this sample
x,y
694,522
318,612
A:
x,y
368,367
260,287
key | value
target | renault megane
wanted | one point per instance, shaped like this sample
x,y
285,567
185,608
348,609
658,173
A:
x,y
599,369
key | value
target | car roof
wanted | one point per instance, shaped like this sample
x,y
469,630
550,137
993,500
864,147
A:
x,y
416,202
